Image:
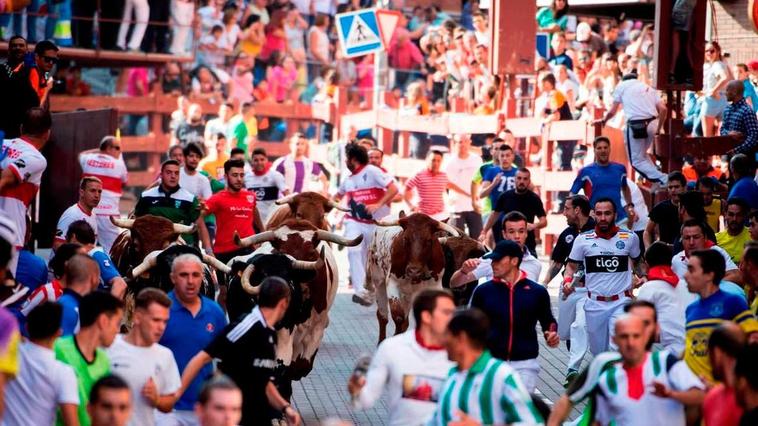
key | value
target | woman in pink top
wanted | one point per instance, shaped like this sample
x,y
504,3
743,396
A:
x,y
241,83
282,78
276,38
365,71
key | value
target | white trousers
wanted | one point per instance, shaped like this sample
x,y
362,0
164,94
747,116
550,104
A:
x,y
182,13
637,150
529,371
358,255
573,326
141,11
106,232
601,318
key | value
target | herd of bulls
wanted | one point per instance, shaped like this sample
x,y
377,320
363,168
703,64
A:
x,y
407,254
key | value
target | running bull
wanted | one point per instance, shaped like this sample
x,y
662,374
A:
x,y
309,206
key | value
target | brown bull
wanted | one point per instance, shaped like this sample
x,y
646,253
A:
x,y
405,256
308,206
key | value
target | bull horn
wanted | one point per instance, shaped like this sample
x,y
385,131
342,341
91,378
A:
x,y
335,205
254,239
285,200
184,229
395,222
245,281
307,265
442,240
449,229
148,263
122,223
216,264
338,239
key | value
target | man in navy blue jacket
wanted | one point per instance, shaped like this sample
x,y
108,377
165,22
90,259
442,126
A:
x,y
514,304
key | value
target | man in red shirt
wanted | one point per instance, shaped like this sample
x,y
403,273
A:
x,y
235,210
430,184
720,404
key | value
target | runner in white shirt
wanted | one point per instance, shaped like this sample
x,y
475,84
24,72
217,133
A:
x,y
410,367
107,165
368,191
641,212
460,169
605,253
190,178
90,192
21,168
266,183
514,229
148,368
301,173
664,289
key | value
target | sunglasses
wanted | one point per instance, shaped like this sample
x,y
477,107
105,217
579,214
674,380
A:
x,y
50,59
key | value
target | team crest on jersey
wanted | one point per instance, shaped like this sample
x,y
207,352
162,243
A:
x,y
620,245
209,327
251,198
569,238
700,344
716,310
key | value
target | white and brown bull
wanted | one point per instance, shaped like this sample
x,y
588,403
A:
x,y
303,330
405,256
308,206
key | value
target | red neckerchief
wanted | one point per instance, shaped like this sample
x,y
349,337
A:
x,y
708,244
358,170
614,229
634,381
663,273
265,170
423,344
521,276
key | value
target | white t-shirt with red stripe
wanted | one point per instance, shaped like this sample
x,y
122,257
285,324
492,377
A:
x,y
28,164
112,172
71,215
367,185
430,188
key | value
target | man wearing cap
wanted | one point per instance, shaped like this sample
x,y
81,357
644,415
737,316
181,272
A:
x,y
645,114
514,304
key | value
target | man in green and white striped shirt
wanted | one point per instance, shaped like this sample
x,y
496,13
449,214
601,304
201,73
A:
x,y
481,388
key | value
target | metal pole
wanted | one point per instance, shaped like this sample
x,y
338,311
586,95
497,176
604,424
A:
x,y
375,98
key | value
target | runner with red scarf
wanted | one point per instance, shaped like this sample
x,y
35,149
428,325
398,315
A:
x,y
605,253
265,182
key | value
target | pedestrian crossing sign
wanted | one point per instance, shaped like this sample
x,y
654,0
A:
x,y
359,32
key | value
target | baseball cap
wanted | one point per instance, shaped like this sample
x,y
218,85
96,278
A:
x,y
505,248
753,65
583,32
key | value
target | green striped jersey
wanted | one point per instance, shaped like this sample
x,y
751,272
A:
x,y
489,392
178,206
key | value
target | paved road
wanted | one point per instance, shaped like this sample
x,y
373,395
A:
x,y
353,331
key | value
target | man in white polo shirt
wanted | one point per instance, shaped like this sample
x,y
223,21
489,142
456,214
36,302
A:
x,y
90,191
106,164
460,169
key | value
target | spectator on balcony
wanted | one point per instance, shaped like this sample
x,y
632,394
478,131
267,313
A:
x,y
141,10
156,36
241,80
294,28
231,29
182,14
742,73
566,85
715,78
559,56
365,76
416,103
404,55
192,130
318,47
210,15
282,79
553,19
481,28
206,84
258,7
173,80
213,48
557,109
252,36
588,40
739,120
276,40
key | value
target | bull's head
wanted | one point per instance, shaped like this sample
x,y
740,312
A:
x,y
461,249
310,206
416,253
150,233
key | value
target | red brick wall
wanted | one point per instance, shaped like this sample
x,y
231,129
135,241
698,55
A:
x,y
734,31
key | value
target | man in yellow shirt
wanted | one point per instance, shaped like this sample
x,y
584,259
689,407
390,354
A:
x,y
706,186
214,166
736,235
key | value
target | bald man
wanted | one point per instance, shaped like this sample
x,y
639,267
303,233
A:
x,y
739,121
81,277
634,386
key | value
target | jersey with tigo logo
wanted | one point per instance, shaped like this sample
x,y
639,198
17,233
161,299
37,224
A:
x,y
267,189
703,316
624,394
27,164
490,393
602,182
177,205
606,260
112,172
365,186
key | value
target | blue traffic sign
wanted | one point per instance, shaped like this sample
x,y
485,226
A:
x,y
359,32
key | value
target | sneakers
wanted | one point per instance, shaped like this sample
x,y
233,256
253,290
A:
x,y
361,301
570,376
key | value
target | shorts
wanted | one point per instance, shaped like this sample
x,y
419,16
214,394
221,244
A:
x,y
713,107
681,14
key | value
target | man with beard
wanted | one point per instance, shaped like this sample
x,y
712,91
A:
x,y
521,199
265,182
736,235
605,253
571,322
369,191
195,182
235,212
193,129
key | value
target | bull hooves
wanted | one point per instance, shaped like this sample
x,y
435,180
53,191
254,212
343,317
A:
x,y
361,301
